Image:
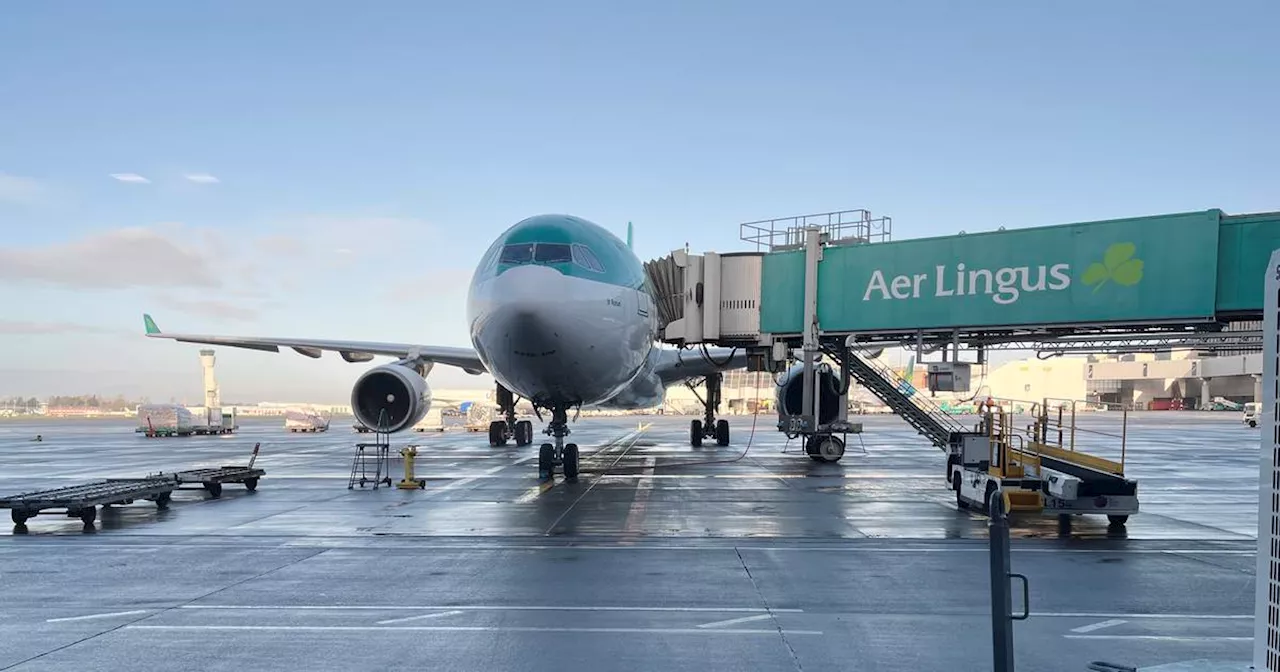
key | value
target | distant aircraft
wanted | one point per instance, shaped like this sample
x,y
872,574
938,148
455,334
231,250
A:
x,y
560,312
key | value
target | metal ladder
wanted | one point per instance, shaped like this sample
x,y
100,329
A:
x,y
925,416
381,448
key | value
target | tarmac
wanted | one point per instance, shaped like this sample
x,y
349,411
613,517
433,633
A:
x,y
661,556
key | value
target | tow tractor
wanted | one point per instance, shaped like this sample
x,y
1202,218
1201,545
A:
x,y
1038,469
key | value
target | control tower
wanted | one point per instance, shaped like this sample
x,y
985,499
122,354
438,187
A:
x,y
211,399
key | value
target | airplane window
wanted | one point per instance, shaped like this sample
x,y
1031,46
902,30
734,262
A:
x,y
519,253
584,257
552,253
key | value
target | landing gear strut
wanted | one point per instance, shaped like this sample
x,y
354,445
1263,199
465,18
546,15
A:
x,y
708,427
559,453
500,431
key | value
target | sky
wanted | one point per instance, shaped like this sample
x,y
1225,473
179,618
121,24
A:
x,y
335,170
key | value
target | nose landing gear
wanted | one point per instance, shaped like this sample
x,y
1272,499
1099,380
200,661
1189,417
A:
x,y
708,427
564,455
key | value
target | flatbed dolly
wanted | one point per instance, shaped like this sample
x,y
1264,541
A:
x,y
81,501
211,479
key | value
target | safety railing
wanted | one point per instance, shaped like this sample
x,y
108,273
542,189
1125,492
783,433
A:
x,y
920,401
1056,425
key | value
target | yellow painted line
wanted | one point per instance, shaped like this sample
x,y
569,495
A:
x,y
542,488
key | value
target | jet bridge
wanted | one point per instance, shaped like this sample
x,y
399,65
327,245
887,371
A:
x,y
835,287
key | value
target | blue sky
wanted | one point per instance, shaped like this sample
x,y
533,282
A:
x,y
365,155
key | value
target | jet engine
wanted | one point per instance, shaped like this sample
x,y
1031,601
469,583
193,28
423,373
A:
x,y
791,393
390,398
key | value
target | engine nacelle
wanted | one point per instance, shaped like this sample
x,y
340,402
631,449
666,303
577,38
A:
x,y
790,395
390,398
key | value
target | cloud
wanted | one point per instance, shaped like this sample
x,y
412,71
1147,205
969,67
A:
x,y
207,307
130,177
116,259
201,178
24,328
20,190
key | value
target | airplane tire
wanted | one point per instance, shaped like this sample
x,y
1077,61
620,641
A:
x,y
571,461
524,433
695,433
722,432
497,430
546,461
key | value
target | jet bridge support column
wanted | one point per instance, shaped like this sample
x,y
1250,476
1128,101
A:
x,y
810,350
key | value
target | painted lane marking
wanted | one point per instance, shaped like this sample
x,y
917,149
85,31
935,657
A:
x,y
326,607
1206,617
460,628
1163,638
440,614
1099,625
94,616
733,621
535,492
635,515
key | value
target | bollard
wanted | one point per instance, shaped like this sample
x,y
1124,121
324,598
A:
x,y
409,482
1002,617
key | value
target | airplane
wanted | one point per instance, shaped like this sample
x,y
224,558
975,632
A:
x,y
561,313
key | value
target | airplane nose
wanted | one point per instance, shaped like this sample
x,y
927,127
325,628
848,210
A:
x,y
531,333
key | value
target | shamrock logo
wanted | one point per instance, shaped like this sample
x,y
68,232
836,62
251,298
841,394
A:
x,y
1117,265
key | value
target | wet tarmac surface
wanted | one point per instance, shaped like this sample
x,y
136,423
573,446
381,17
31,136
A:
x,y
661,556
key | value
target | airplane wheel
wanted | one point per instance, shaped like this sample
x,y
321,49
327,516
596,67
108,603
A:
x,y
524,433
828,448
571,461
695,433
497,434
722,432
955,485
546,461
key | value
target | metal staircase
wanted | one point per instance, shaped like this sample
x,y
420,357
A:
x,y
899,395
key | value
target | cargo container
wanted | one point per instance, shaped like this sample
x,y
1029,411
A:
x,y
305,420
164,420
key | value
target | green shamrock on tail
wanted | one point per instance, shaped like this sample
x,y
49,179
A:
x,y
1117,264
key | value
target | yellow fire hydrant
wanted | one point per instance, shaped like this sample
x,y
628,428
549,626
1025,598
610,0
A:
x,y
409,482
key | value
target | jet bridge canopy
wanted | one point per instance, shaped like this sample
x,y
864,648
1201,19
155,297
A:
x,y
1187,268
1183,273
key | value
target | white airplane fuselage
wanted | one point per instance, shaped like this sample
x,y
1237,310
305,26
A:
x,y
565,334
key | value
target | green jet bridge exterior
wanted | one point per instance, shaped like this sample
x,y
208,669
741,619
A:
x,y
834,284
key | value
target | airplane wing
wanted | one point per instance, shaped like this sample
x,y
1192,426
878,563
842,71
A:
x,y
675,366
351,351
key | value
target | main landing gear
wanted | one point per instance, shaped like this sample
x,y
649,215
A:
x,y
564,455
708,427
501,431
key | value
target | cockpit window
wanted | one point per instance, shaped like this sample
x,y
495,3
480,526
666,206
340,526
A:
x,y
552,253
584,257
519,253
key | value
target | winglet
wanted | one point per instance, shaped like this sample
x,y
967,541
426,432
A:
x,y
150,324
